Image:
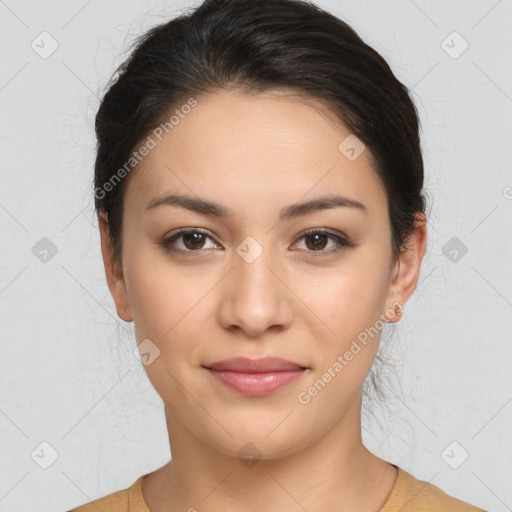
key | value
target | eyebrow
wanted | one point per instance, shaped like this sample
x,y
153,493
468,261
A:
x,y
210,208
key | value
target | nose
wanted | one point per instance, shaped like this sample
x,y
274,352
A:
x,y
255,297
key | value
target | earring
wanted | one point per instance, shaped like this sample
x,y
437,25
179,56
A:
x,y
397,311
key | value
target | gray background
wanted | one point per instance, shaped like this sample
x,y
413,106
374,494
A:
x,y
68,376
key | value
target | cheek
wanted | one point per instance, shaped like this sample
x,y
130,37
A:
x,y
149,300
348,299
154,294
155,290
345,355
348,305
165,305
169,305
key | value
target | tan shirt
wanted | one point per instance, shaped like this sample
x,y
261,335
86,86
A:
x,y
407,495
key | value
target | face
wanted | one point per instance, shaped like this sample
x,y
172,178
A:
x,y
260,277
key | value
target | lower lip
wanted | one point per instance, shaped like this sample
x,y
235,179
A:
x,y
256,384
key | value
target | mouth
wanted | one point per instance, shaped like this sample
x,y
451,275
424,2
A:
x,y
255,377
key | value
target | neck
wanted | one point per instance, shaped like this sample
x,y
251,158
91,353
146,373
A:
x,y
336,473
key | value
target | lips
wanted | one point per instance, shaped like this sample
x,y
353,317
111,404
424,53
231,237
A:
x,y
264,365
255,377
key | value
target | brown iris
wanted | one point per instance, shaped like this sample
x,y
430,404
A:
x,y
317,244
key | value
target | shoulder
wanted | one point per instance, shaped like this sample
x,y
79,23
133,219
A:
x,y
126,500
415,495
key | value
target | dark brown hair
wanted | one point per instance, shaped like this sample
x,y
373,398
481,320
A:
x,y
257,46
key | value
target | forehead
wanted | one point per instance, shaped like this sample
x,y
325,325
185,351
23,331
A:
x,y
264,150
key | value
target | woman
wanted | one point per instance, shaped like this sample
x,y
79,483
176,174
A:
x,y
259,189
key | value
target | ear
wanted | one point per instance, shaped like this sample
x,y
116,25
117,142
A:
x,y
113,273
407,268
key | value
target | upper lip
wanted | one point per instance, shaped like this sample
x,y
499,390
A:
x,y
263,365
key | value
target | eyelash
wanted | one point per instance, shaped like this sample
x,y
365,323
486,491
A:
x,y
341,241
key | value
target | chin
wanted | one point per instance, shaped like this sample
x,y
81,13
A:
x,y
256,438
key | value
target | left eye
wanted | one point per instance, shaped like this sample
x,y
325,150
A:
x,y
316,241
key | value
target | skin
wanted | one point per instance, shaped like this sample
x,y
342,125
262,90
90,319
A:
x,y
256,155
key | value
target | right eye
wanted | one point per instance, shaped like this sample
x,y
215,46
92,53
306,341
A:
x,y
192,240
